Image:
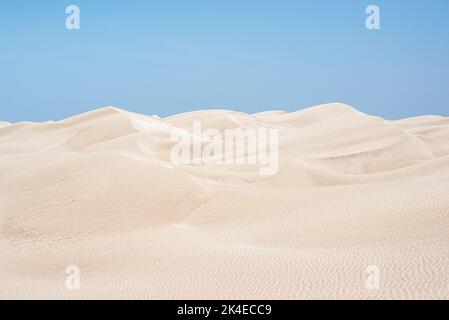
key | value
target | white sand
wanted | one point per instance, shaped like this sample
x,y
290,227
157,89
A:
x,y
98,191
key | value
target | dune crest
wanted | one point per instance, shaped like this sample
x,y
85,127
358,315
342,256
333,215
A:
x,y
99,191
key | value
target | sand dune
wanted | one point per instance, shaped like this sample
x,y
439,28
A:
x,y
99,191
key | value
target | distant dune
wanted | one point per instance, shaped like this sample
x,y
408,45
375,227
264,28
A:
x,y
352,191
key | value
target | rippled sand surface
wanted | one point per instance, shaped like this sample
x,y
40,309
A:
x,y
353,192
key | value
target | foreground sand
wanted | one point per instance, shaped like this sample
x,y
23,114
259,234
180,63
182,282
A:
x,y
98,191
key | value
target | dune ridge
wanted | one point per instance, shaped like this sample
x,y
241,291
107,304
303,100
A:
x,y
98,190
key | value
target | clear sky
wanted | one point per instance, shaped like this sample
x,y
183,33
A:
x,y
166,57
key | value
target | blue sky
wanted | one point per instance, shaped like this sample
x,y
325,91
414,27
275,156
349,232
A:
x,y
166,57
